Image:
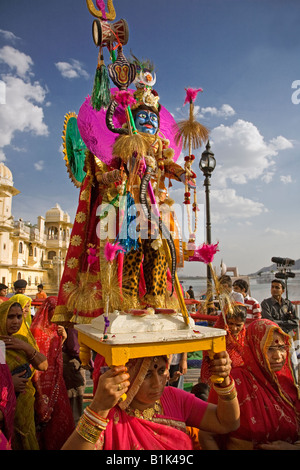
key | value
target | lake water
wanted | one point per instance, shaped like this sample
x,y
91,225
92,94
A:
x,y
258,291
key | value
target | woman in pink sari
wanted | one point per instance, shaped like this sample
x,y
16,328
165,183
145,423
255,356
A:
x,y
7,405
152,416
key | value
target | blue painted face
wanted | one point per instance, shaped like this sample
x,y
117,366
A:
x,y
146,121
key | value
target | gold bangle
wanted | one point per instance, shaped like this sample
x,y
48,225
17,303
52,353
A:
x,y
88,431
226,393
229,396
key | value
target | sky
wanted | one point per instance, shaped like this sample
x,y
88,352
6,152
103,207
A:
x,y
244,54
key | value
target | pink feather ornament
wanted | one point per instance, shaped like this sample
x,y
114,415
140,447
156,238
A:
x,y
92,255
191,95
205,253
110,251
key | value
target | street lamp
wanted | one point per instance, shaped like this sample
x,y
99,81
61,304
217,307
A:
x,y
207,165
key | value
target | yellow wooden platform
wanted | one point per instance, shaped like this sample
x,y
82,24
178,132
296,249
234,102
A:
x,y
118,349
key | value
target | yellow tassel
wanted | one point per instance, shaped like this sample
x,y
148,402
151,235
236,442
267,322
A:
x,y
191,132
126,145
84,297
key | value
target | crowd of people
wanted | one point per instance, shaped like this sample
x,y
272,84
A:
x,y
256,405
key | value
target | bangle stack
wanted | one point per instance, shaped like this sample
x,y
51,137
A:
x,y
226,393
33,356
91,425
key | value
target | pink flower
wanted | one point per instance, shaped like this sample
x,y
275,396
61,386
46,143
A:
x,y
111,250
191,94
205,253
124,98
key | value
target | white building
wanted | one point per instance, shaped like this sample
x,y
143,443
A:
x,y
35,253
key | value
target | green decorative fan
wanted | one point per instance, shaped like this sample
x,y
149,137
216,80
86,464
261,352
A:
x,y
74,149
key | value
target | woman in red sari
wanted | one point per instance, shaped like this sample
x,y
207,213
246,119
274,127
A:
x,y
267,392
153,416
235,338
52,407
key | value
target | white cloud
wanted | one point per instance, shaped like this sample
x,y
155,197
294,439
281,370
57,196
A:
x,y
242,153
226,205
39,166
286,179
72,69
225,111
16,60
267,177
8,35
276,232
280,143
24,98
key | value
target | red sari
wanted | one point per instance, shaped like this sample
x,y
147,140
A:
x,y
234,347
269,401
54,416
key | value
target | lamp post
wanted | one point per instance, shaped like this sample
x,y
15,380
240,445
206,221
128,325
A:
x,y
207,165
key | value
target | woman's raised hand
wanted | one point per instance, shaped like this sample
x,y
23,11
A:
x,y
220,365
111,386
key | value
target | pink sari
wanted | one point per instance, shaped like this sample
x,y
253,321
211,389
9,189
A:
x,y
7,405
164,432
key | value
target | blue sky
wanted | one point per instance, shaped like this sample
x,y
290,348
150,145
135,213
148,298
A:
x,y
245,54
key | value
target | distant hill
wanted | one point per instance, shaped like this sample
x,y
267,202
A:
x,y
273,267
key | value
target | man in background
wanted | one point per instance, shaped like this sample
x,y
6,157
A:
x,y
41,295
278,309
191,292
19,287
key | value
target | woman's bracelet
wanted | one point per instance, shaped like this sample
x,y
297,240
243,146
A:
x,y
89,428
226,393
95,418
33,356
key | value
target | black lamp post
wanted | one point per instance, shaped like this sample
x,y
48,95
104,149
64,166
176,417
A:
x,y
207,165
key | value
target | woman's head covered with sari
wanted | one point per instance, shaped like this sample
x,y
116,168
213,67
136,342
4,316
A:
x,y
4,309
24,424
42,318
269,399
14,358
23,300
259,337
234,339
137,370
